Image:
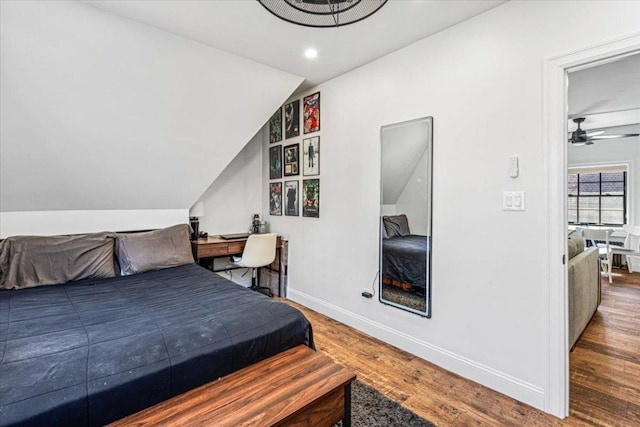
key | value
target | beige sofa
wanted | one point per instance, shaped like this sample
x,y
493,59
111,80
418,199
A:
x,y
584,285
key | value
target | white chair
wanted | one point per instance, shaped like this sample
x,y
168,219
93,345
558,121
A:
x,y
631,243
259,251
600,234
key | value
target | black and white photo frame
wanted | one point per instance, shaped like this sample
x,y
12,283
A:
x,y
311,156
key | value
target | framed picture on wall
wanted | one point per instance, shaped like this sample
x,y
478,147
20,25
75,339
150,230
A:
x,y
291,160
275,162
275,198
311,198
275,126
291,196
311,113
292,119
311,156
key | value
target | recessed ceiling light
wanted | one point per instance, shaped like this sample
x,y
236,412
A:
x,y
311,53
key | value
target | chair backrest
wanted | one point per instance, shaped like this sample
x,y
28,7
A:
x,y
260,250
632,241
596,234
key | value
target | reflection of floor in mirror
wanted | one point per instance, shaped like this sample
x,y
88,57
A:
x,y
409,299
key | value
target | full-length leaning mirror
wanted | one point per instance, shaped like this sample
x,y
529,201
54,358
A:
x,y
405,215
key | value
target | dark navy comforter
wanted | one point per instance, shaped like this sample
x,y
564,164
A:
x,y
93,351
404,258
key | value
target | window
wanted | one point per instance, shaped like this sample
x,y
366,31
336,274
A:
x,y
597,197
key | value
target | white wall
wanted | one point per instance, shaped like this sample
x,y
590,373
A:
x,y
98,112
236,194
413,199
44,223
482,82
232,199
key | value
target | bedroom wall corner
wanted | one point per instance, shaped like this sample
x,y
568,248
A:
x,y
235,195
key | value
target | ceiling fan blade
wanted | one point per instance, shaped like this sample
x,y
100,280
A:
x,y
590,134
625,135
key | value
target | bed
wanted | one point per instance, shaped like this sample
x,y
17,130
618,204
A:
x,y
92,351
404,259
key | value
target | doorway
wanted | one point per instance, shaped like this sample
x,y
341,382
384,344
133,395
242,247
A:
x,y
556,131
602,199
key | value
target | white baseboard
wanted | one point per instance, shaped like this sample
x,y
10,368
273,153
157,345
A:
x,y
485,375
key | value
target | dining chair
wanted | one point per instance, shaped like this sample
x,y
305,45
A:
x,y
632,242
596,236
259,251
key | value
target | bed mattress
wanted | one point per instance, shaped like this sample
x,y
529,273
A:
x,y
404,258
93,351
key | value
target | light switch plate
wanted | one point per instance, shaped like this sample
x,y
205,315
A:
x,y
514,167
513,200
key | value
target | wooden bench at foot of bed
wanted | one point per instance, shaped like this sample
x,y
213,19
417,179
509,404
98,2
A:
x,y
296,387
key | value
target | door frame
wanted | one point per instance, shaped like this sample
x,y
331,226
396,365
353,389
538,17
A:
x,y
555,116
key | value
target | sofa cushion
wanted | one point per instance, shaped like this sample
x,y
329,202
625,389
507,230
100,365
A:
x,y
583,292
575,244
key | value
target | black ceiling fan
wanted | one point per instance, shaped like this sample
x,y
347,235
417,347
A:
x,y
583,137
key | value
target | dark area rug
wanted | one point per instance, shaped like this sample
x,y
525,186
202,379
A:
x,y
409,299
370,408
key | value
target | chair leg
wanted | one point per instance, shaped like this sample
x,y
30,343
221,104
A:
x,y
609,270
255,284
254,279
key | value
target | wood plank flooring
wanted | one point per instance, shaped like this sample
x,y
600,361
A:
x,y
605,371
605,363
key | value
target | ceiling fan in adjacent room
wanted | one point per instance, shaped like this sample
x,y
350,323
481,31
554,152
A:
x,y
583,137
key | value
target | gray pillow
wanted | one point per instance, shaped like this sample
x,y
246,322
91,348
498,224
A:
x,y
30,261
154,250
396,225
384,230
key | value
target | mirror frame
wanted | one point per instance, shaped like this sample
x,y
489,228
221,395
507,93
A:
x,y
429,150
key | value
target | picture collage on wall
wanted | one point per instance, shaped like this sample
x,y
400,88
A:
x,y
284,160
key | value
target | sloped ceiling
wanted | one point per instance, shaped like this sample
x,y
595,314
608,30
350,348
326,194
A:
x,y
99,112
247,29
403,146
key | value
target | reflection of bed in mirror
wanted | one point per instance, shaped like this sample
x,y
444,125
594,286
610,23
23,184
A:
x,y
404,262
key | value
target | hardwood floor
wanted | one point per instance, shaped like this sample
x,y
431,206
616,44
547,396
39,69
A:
x,y
605,371
605,363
